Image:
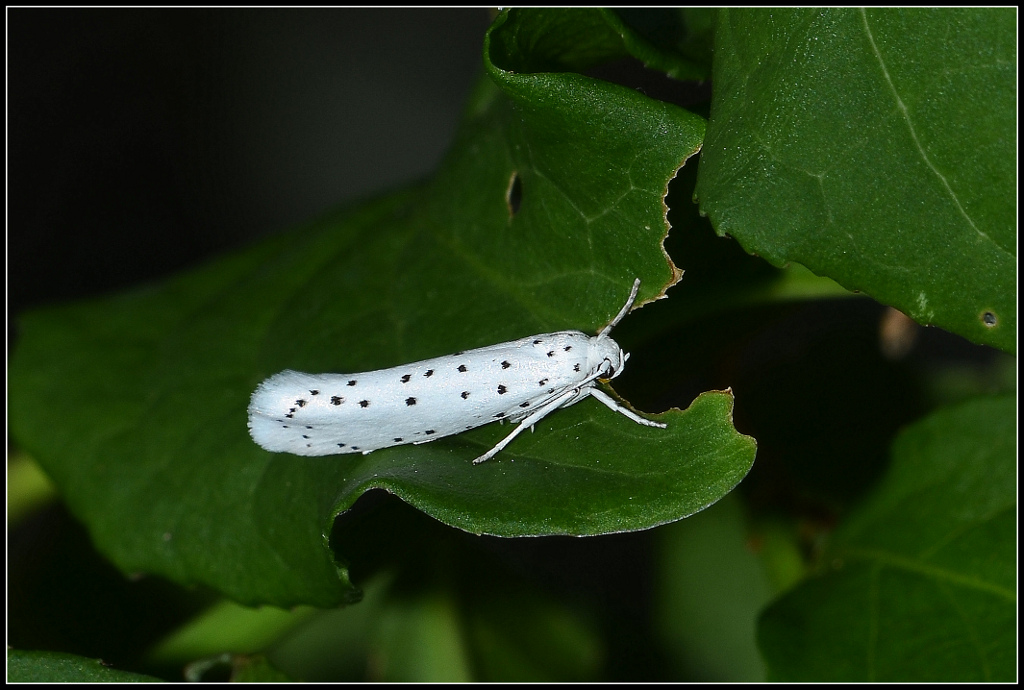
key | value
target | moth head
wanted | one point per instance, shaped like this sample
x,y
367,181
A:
x,y
606,358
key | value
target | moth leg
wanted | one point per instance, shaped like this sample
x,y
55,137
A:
x,y
610,402
537,415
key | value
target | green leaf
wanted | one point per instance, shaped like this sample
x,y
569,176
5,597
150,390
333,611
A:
x,y
227,627
856,143
58,667
923,578
556,40
28,488
136,405
711,636
417,639
528,636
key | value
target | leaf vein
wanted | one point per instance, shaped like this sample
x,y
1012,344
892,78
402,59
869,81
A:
x,y
913,133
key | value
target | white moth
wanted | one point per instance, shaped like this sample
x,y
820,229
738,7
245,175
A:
x,y
522,381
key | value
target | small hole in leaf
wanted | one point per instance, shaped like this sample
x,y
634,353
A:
x,y
989,318
514,195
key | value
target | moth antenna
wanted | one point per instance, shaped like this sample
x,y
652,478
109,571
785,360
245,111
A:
x,y
622,312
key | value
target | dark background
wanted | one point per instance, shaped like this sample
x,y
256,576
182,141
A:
x,y
141,141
